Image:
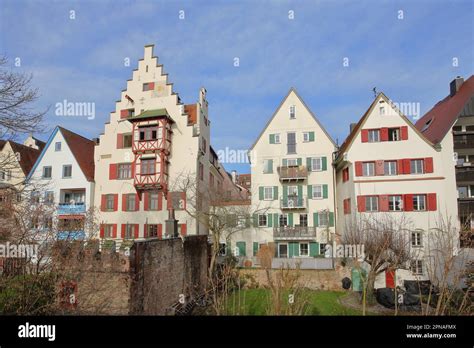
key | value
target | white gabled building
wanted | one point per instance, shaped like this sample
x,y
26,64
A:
x,y
292,183
387,168
63,177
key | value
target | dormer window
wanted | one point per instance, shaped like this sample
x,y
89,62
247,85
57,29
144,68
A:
x,y
427,124
292,112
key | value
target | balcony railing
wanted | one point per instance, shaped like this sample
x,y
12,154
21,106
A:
x,y
293,202
67,208
71,235
294,232
464,175
464,141
292,173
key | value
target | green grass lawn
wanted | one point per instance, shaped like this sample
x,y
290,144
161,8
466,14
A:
x,y
257,302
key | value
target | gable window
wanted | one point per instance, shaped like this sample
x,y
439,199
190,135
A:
x,y
67,171
368,168
382,110
304,249
416,240
304,220
57,146
374,135
292,111
419,202
291,143
125,171
127,141
394,134
390,167
395,203
47,172
371,203
147,166
417,266
268,193
262,220
148,86
316,164
109,202
317,191
306,137
277,138
416,166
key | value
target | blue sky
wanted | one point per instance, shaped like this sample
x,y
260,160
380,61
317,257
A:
x,y
82,59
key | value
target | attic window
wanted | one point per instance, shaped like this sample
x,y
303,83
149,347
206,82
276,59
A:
x,y
292,112
427,124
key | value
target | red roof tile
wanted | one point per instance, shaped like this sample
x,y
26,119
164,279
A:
x,y
83,150
28,156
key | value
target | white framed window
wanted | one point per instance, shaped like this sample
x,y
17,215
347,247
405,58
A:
x,y
277,138
292,111
291,142
129,231
222,249
283,220
419,202
290,162
268,193
47,172
304,249
49,197
267,166
67,171
371,203
262,220
395,203
323,219
292,191
390,167
417,266
304,220
374,135
305,137
57,146
416,239
394,134
109,202
368,168
108,231
283,250
317,191
416,166
322,248
382,110
316,164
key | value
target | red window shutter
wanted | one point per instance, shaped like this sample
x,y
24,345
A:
x,y
428,165
348,206
361,203
183,230
145,203
408,202
400,167
145,230
116,202
404,132
345,206
151,86
160,231
384,134
379,167
137,202
112,171
103,202
124,226
124,113
114,231
136,227
364,134
102,231
431,201
160,200
358,168
406,166
383,203
119,141
183,197
124,202
133,169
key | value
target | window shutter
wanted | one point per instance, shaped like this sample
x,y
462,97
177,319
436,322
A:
x,y
124,113
290,219
406,166
137,202
428,165
184,229
133,169
308,163
103,202
325,191
255,248
146,203
311,136
400,167
384,134
313,249
296,249
331,219
383,203
275,219
285,195
408,202
379,167
112,171
151,86
310,191
364,135
325,163
119,141
290,250
404,132
431,201
285,162
102,231
272,138
269,220
160,231
358,168
300,191
255,220
123,230
124,202
160,200
116,202
315,219
260,193
270,166
361,204
299,161
275,192
136,228
114,230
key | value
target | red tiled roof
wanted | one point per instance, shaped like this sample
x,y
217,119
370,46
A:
x,y
83,150
445,113
28,156
191,110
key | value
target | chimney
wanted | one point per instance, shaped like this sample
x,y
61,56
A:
x,y
455,85
352,126
234,176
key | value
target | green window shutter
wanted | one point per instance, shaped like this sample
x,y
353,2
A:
x,y
310,191
285,196
308,163
325,191
300,191
275,192
299,161
275,219
260,193
331,219
272,138
290,250
284,162
270,166
315,220
296,249
255,248
313,249
311,136
269,220
290,219
242,248
325,163
255,220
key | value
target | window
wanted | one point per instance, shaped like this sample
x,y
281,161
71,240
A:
x,y
306,137
148,86
382,110
148,133
128,231
262,220
35,197
57,146
304,249
368,168
153,199
125,171
304,220
130,200
108,231
291,142
462,192
109,202
283,220
292,191
394,134
457,129
371,203
277,138
374,135
471,188
282,250
147,166
201,171
152,231
416,240
290,162
316,164
48,222
292,111
345,174
267,166
322,248
49,197
323,219
317,191
390,167
222,249
268,193
67,171
416,166
127,141
395,203
419,202
47,171
417,266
